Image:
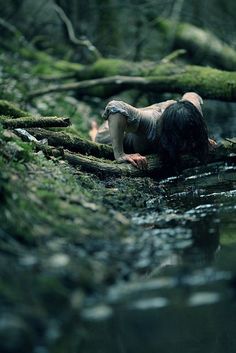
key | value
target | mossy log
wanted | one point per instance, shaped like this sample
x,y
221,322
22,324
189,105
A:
x,y
73,143
87,147
155,167
226,152
29,122
208,82
11,110
102,167
201,44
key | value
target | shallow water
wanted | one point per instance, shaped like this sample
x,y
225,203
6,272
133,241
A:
x,y
178,286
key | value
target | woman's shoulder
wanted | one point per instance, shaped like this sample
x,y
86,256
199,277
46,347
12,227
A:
x,y
165,104
116,106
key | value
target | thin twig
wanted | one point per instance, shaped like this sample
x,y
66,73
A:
x,y
72,37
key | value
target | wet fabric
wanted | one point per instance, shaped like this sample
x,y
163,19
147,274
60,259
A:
x,y
142,124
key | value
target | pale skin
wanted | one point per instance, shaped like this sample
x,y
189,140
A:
x,y
118,127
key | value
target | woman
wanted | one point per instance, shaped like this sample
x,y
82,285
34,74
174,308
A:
x,y
170,128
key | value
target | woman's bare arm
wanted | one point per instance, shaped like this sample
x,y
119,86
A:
x,y
117,127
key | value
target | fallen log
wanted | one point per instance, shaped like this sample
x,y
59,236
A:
x,y
208,82
226,152
87,147
202,45
73,143
105,168
27,122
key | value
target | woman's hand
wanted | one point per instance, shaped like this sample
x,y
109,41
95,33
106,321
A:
x,y
135,159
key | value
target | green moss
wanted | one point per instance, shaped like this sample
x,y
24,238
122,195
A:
x,y
206,81
112,67
44,198
10,109
46,64
228,235
164,69
163,25
67,66
60,105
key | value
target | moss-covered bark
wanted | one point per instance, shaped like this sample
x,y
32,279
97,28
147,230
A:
x,y
73,143
201,44
208,82
27,122
107,168
110,67
11,110
46,64
155,167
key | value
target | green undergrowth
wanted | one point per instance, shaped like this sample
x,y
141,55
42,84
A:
x,y
44,198
20,74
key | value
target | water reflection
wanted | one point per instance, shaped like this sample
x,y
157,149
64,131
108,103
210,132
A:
x,y
180,294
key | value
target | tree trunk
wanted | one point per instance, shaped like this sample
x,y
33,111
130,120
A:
x,y
201,44
208,82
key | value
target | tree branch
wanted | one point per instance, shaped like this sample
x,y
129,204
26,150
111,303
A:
x,y
18,35
173,56
26,122
71,34
201,44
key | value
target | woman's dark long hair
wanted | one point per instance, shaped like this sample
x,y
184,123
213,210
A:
x,y
182,130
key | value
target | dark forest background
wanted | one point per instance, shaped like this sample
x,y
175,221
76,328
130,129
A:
x,y
118,28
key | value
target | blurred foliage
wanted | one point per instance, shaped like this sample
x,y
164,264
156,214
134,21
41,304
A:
x,y
17,78
111,24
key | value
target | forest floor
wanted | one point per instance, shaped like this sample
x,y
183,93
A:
x,y
67,237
